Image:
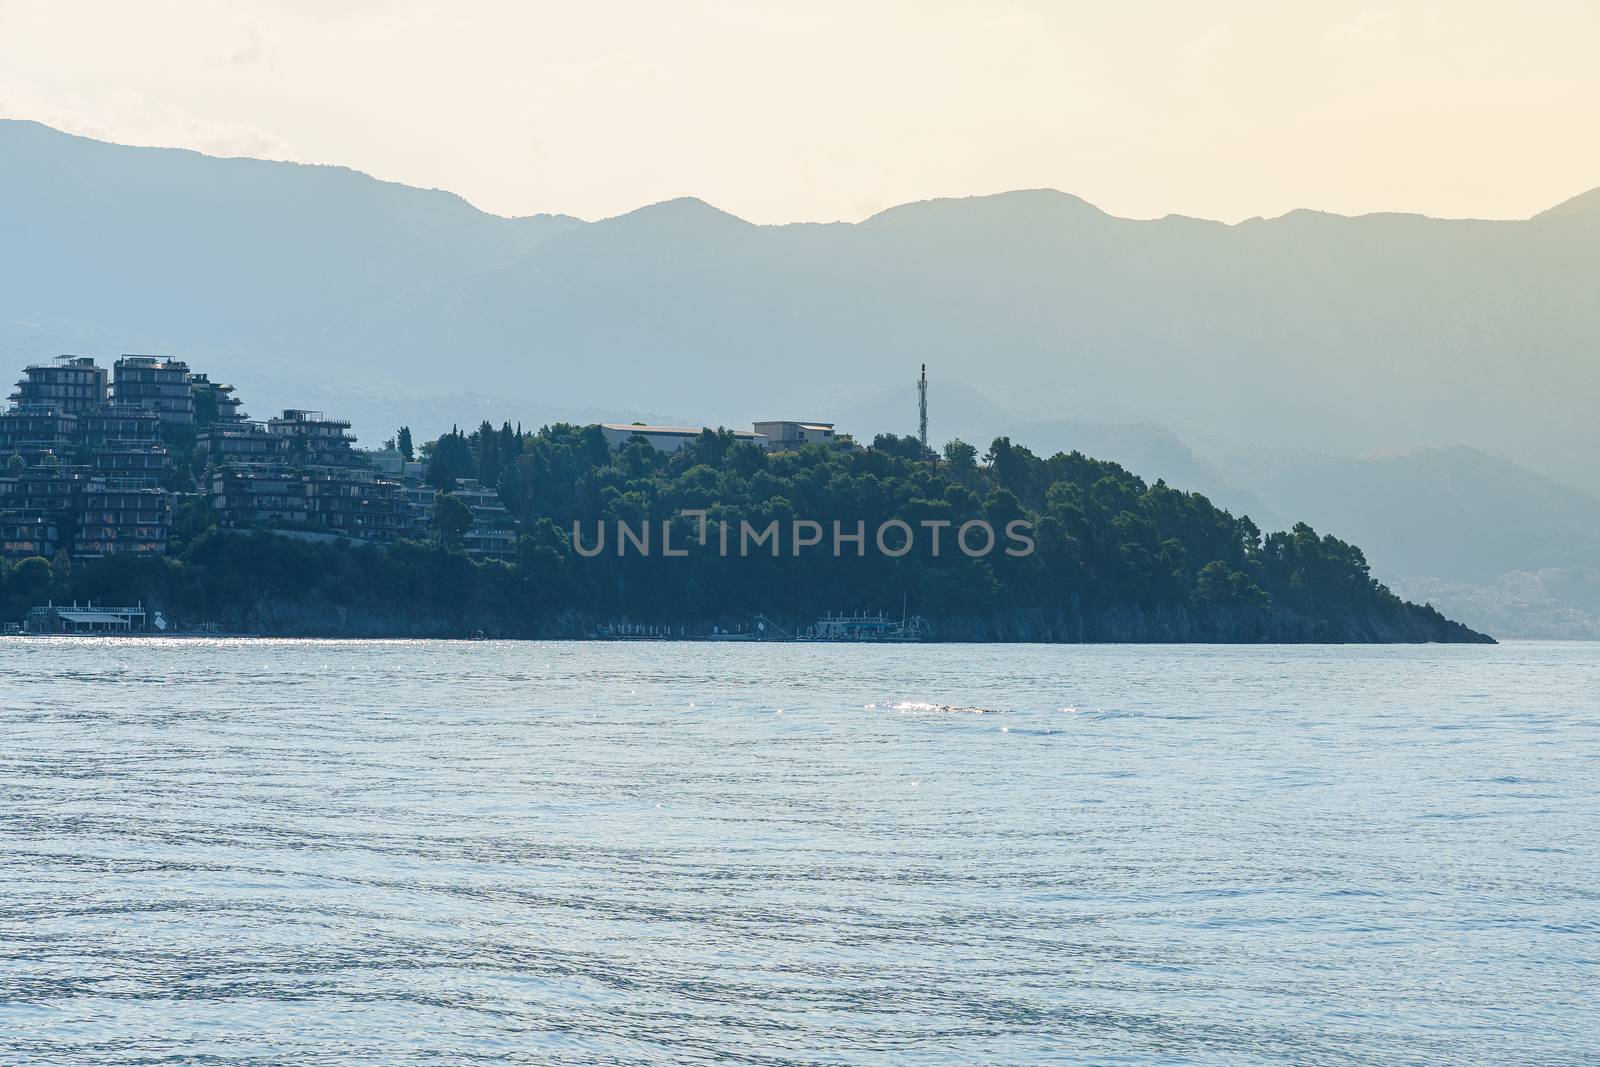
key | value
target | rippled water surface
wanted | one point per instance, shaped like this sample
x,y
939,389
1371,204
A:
x,y
377,853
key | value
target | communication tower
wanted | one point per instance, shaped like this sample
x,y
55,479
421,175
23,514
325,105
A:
x,y
922,407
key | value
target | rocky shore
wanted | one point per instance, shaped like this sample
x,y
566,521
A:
x,y
314,616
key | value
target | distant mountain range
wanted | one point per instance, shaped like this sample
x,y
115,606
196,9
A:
x,y
1258,362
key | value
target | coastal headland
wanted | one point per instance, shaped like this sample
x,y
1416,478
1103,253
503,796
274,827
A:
x,y
146,483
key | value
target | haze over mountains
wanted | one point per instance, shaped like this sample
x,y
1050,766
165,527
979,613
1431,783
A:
x,y
1254,362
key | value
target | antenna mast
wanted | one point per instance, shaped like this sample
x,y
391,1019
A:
x,y
922,407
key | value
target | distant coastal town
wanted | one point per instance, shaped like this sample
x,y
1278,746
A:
x,y
97,458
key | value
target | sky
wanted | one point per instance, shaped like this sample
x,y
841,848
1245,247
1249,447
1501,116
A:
x,y
826,110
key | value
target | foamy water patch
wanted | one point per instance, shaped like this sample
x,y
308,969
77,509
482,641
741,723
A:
x,y
922,707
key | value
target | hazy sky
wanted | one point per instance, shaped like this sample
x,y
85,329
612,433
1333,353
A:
x,y
825,110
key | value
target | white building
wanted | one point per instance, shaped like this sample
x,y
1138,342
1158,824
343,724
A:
x,y
787,436
493,535
390,462
666,438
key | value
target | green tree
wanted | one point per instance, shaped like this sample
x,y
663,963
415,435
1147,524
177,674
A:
x,y
29,579
449,458
1217,583
403,440
451,519
907,447
961,458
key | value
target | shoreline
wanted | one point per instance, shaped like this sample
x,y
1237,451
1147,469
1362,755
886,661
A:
x,y
412,639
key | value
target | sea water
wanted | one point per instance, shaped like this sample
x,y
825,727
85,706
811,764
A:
x,y
274,852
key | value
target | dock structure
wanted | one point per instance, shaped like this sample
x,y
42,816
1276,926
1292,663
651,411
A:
x,y
89,619
863,626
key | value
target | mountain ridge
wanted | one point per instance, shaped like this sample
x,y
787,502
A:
x,y
1585,205
1584,201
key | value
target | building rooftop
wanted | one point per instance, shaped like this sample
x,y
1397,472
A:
x,y
671,431
105,617
808,424
135,360
307,415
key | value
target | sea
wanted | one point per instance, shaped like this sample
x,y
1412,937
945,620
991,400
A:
x,y
320,852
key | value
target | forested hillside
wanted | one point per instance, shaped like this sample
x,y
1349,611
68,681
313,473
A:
x,y
1112,558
